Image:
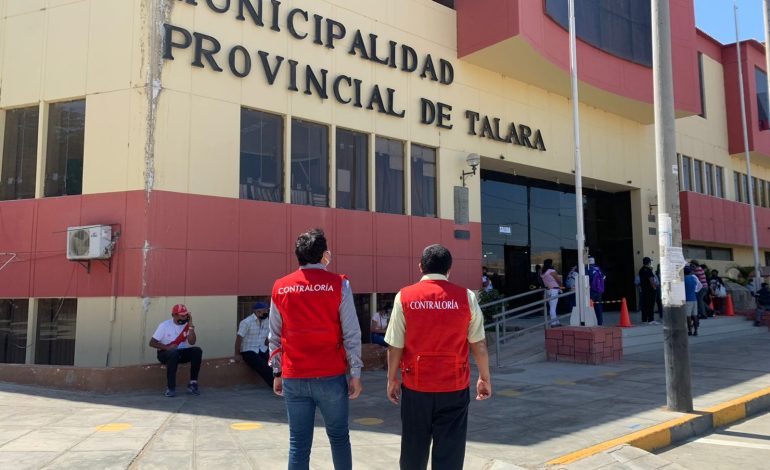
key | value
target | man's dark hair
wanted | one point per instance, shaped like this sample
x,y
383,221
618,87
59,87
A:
x,y
310,247
646,261
436,259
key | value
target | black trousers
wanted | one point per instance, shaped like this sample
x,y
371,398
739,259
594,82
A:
x,y
173,357
440,417
648,304
258,362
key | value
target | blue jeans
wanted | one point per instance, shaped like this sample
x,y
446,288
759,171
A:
x,y
330,395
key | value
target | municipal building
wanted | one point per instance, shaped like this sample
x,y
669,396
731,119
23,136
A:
x,y
156,152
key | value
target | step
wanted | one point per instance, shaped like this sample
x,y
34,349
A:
x,y
644,338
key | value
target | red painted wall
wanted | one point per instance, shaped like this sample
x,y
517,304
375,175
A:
x,y
483,23
714,220
753,56
202,245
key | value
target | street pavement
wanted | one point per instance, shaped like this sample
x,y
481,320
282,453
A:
x,y
538,412
742,446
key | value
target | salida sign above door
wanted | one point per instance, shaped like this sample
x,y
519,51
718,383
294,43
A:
x,y
208,52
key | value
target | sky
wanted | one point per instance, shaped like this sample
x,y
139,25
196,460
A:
x,y
715,17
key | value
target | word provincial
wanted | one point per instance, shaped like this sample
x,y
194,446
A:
x,y
207,52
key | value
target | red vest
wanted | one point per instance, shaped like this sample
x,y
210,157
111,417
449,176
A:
x,y
437,317
311,336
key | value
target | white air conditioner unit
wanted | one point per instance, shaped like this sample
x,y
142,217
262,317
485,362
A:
x,y
91,242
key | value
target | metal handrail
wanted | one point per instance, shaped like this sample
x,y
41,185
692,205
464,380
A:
x,y
501,319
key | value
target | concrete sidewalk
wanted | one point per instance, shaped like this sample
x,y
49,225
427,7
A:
x,y
539,412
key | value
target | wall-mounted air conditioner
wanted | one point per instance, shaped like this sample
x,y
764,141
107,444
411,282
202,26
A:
x,y
91,242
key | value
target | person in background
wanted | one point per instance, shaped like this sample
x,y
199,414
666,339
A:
x,y
658,294
174,340
718,291
698,271
486,283
647,286
314,339
433,326
552,282
251,342
535,281
570,283
379,325
763,303
596,280
692,286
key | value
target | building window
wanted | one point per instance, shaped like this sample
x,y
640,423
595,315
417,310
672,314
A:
x,y
352,170
245,304
763,108
423,181
709,175
755,187
707,253
686,173
737,185
13,330
363,304
719,179
446,3
64,153
261,175
309,164
697,170
389,175
623,29
762,193
55,338
745,188
19,166
702,85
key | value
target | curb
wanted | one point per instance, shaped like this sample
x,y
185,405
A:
x,y
679,429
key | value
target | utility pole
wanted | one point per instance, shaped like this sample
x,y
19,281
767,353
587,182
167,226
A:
x,y
750,183
677,356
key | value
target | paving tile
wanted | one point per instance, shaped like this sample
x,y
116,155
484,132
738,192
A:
x,y
25,460
103,460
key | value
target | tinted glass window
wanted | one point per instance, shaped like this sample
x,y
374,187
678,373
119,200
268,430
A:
x,y
64,153
423,181
702,86
261,175
686,173
13,330
720,181
697,170
56,331
745,187
709,174
737,186
309,164
352,170
19,154
762,99
389,175
619,27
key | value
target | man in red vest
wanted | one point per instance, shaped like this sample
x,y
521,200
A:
x,y
432,325
314,338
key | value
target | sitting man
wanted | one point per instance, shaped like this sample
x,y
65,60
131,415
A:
x,y
251,342
174,339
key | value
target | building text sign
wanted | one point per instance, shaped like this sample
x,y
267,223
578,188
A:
x,y
302,25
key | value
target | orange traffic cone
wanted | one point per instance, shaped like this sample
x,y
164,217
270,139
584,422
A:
x,y
625,319
729,310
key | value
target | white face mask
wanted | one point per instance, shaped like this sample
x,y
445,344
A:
x,y
327,259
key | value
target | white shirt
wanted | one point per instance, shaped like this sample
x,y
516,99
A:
x,y
254,333
381,320
168,331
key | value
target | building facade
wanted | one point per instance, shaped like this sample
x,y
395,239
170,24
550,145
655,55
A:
x,y
209,133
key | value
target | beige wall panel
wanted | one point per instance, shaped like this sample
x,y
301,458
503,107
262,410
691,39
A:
x,y
214,147
206,81
3,38
130,337
66,56
58,3
110,42
105,159
177,74
92,332
17,7
24,57
425,19
172,142
137,148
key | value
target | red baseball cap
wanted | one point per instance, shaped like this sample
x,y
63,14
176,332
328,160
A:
x,y
179,309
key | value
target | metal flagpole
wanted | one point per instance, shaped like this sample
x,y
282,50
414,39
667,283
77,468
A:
x,y
755,244
581,300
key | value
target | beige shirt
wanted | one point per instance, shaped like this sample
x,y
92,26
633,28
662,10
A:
x,y
395,333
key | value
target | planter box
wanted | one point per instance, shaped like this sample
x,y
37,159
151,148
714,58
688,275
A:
x,y
584,345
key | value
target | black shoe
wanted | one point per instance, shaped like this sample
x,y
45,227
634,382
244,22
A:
x,y
695,333
756,323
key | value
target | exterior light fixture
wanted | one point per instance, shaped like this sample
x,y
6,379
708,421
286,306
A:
x,y
473,161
